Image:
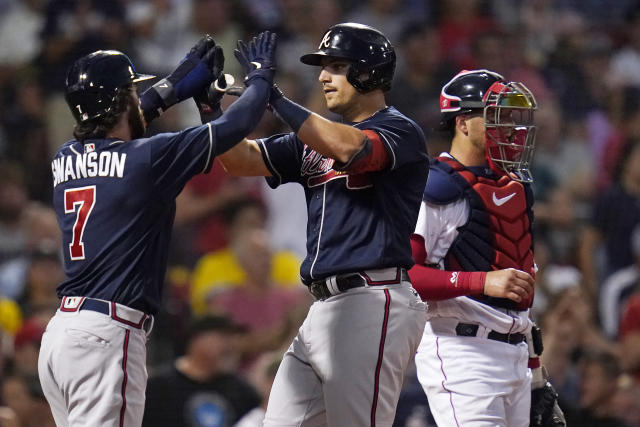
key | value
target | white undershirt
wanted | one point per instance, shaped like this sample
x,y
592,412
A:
x,y
438,225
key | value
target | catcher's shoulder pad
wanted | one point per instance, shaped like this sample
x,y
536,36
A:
x,y
441,187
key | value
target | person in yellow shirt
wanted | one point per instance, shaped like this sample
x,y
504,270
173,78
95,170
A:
x,y
228,267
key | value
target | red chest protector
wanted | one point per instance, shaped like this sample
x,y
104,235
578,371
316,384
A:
x,y
498,233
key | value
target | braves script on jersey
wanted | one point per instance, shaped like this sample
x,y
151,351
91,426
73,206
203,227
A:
x,y
357,343
356,222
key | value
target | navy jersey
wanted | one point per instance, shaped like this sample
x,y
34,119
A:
x,y
115,203
360,221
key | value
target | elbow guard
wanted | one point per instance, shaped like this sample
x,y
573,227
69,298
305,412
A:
x,y
371,157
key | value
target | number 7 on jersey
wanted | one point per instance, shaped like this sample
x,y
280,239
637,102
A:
x,y
81,199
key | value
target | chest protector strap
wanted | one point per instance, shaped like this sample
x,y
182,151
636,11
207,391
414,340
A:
x,y
498,232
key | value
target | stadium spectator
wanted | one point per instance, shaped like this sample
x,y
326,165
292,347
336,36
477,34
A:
x,y
227,267
629,335
599,372
272,314
27,346
616,213
201,386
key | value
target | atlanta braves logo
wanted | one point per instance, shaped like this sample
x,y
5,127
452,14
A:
x,y
314,163
319,170
326,40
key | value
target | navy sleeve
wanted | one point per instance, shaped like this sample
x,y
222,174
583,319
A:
x,y
176,157
441,189
242,116
403,139
282,154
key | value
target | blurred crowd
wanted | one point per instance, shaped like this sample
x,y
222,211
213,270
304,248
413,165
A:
x,y
233,299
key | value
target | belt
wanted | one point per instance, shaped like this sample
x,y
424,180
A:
x,y
471,330
118,312
334,285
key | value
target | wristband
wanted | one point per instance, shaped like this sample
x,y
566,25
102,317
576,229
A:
x,y
151,104
472,280
290,112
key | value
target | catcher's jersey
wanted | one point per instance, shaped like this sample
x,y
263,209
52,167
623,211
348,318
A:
x,y
115,204
440,224
362,221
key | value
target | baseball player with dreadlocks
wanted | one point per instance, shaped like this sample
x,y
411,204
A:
x,y
474,259
114,195
363,180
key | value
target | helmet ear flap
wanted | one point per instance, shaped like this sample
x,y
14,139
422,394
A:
x,y
376,77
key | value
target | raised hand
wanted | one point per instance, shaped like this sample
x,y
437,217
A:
x,y
202,65
509,283
258,58
208,99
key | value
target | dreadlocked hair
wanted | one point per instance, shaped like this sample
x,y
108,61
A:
x,y
98,127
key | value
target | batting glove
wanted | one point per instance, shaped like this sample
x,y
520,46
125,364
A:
x,y
208,99
197,70
258,58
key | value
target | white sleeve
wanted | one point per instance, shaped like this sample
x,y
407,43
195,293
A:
x,y
438,225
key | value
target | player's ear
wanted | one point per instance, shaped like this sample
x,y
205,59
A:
x,y
461,124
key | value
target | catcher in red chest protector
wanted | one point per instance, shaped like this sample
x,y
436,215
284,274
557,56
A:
x,y
474,257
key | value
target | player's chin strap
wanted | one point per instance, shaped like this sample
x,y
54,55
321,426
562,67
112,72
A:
x,y
545,411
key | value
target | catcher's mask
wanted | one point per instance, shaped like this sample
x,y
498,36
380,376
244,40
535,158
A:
x,y
372,57
94,80
507,109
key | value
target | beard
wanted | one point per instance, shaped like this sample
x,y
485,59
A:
x,y
136,122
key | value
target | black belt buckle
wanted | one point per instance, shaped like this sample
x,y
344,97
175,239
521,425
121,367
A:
x,y
508,338
345,282
471,330
350,281
319,290
466,330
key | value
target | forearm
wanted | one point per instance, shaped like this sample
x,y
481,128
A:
x,y
244,159
434,285
242,116
331,139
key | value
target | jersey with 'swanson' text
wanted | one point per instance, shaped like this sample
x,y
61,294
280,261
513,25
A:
x,y
356,221
115,204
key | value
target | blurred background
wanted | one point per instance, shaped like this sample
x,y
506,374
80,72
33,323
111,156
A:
x,y
237,246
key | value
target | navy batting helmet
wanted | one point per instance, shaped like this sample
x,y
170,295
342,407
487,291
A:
x,y
372,57
507,109
465,93
94,80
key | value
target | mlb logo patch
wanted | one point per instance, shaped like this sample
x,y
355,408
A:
x,y
71,303
88,148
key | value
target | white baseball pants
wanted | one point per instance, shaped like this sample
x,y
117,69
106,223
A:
x,y
346,365
474,381
93,370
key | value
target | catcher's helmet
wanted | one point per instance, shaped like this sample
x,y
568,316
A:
x,y
372,57
94,80
465,93
507,109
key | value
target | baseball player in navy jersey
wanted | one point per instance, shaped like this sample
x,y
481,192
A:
x,y
474,256
363,179
114,195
